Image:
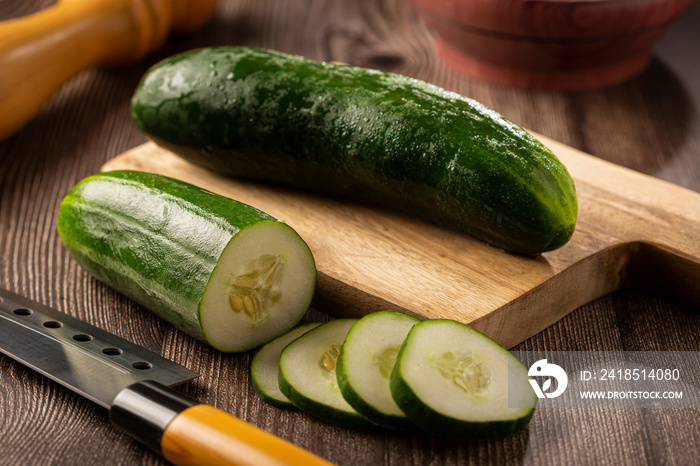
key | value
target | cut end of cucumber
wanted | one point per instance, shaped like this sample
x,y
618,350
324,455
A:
x,y
308,374
264,369
456,383
368,357
261,287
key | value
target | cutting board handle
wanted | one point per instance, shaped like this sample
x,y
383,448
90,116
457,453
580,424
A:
x,y
40,52
659,269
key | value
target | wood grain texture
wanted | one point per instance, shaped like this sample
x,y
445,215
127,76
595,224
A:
x,y
649,124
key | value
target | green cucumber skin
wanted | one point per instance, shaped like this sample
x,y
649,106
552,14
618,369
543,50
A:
x,y
364,133
273,401
361,406
448,428
368,411
326,413
313,407
442,425
256,386
145,250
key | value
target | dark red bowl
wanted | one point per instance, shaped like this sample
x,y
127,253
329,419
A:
x,y
549,44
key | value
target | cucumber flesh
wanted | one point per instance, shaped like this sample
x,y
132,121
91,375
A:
x,y
258,289
454,382
365,364
264,369
307,374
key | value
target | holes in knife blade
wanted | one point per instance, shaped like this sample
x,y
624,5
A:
x,y
82,337
22,312
52,324
112,351
142,365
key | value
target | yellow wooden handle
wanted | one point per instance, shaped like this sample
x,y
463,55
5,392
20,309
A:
x,y
39,52
203,434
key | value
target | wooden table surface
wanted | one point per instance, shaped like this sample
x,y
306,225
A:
x,y
649,124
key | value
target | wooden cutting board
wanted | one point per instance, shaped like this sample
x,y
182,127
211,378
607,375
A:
x,y
633,231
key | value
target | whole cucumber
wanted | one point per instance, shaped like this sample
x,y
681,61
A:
x,y
352,131
220,270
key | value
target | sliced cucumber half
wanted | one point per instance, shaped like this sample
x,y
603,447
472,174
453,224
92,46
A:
x,y
265,367
261,287
220,270
454,382
365,364
307,374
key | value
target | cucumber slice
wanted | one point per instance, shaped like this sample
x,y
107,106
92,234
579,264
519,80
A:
x,y
365,364
453,382
265,368
307,374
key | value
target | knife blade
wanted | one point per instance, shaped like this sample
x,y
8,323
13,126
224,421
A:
x,y
134,383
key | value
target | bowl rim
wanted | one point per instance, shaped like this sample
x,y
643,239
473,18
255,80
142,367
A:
x,y
553,20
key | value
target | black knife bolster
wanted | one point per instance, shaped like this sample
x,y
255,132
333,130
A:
x,y
144,410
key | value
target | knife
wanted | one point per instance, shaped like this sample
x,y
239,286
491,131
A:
x,y
134,384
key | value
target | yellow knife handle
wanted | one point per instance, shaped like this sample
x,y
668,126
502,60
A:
x,y
39,52
188,433
203,434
